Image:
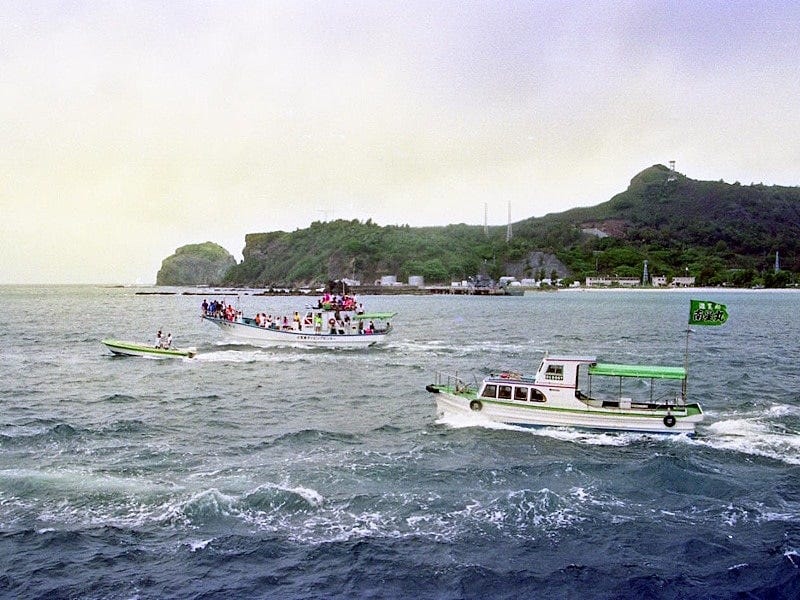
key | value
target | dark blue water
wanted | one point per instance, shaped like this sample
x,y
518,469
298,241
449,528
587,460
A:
x,y
290,473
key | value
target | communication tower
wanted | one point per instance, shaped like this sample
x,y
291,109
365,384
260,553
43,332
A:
x,y
508,232
672,176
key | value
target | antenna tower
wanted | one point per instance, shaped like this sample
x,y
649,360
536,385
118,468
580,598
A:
x,y
508,232
672,176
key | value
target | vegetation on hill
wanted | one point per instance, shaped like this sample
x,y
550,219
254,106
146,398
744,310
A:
x,y
363,251
720,233
195,264
717,232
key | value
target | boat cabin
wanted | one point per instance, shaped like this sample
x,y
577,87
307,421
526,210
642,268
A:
x,y
555,374
562,371
566,378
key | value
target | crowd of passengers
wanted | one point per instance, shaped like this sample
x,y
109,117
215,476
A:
x,y
345,302
336,324
220,310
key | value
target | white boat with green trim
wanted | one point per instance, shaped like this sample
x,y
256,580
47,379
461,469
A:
x,y
121,348
577,391
324,327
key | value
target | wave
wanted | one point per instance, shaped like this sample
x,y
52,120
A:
x,y
273,497
298,512
269,506
315,436
37,434
120,398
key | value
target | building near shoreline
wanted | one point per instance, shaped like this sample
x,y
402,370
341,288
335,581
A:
x,y
656,281
612,281
682,282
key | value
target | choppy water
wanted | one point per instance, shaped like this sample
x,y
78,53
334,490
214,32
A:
x,y
293,473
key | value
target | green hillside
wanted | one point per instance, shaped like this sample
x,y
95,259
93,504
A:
x,y
195,264
720,233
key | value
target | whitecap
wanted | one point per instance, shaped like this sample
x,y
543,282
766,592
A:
x,y
276,495
196,545
794,557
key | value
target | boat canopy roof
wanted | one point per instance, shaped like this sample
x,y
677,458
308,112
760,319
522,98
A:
x,y
640,371
374,315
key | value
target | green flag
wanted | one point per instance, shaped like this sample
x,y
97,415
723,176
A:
x,y
703,312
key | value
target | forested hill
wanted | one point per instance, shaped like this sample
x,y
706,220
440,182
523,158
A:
x,y
720,232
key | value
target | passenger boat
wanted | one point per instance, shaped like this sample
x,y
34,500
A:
x,y
134,349
577,391
324,326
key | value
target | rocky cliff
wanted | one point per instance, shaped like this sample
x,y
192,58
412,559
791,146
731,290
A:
x,y
195,264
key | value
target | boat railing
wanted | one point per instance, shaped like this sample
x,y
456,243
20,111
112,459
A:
x,y
453,381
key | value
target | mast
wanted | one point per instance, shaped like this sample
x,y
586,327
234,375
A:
x,y
684,385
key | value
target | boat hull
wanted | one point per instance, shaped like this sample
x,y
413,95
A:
x,y
680,421
121,348
246,333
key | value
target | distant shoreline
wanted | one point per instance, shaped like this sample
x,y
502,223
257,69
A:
x,y
411,291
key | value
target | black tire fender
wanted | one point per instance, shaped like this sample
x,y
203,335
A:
x,y
476,405
669,421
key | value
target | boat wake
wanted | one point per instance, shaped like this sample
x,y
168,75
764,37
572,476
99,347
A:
x,y
566,434
759,434
460,350
750,435
246,355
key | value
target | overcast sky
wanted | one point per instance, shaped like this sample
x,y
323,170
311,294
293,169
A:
x,y
128,129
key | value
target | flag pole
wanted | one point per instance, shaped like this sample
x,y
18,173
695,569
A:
x,y
686,364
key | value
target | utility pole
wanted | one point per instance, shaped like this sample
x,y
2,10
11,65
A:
x,y
508,232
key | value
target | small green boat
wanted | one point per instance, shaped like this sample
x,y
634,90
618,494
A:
x,y
133,349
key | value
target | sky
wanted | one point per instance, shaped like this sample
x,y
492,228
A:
x,y
131,128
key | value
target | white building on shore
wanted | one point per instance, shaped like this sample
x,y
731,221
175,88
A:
x,y
612,281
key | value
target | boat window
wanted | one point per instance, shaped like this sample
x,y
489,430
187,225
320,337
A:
x,y
505,392
537,396
490,391
520,393
555,373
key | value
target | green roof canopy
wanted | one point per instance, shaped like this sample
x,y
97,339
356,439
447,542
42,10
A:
x,y
375,315
643,372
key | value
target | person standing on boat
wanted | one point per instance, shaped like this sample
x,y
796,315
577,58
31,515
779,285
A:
x,y
168,342
158,339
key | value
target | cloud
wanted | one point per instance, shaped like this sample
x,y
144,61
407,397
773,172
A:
x,y
142,127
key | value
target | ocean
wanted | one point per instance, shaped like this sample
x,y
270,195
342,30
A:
x,y
314,473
